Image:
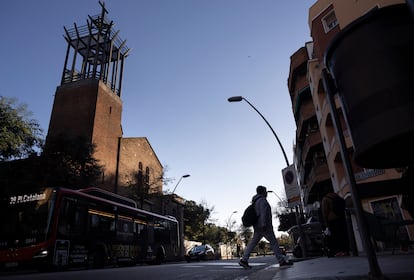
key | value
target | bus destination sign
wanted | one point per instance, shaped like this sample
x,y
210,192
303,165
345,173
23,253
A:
x,y
24,198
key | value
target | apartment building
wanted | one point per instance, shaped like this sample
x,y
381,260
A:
x,y
382,182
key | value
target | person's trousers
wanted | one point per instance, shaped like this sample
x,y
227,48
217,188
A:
x,y
338,241
270,236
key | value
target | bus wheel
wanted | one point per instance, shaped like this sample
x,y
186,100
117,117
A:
x,y
159,259
97,258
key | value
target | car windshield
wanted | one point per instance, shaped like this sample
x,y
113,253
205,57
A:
x,y
198,248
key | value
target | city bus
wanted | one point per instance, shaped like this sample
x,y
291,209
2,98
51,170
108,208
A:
x,y
61,228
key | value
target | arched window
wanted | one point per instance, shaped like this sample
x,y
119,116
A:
x,y
147,176
140,176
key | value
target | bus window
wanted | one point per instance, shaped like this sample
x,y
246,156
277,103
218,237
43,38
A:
x,y
124,228
73,217
141,228
101,223
162,231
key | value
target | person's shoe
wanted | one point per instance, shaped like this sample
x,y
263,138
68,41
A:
x,y
285,263
244,264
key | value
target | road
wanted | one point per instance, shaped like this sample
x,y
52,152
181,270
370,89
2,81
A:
x,y
262,268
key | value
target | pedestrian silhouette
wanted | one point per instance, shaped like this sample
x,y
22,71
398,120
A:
x,y
263,228
333,212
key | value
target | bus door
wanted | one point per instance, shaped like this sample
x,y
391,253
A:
x,y
61,255
142,236
123,248
72,232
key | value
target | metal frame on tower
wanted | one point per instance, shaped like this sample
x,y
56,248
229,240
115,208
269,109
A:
x,y
99,51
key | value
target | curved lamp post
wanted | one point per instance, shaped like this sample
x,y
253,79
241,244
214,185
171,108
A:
x,y
278,197
281,203
229,226
184,176
234,212
180,217
240,98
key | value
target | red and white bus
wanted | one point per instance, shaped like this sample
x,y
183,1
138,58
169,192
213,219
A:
x,y
57,227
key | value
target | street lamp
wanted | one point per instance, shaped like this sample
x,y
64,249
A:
x,y
234,212
180,215
240,98
229,226
184,176
278,197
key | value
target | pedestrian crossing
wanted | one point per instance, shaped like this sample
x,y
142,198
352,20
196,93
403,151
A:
x,y
225,265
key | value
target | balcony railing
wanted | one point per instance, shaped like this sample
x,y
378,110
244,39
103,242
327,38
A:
x,y
74,76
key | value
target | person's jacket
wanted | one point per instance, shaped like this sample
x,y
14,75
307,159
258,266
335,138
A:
x,y
263,211
327,208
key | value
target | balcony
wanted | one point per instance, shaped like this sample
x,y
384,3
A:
x,y
313,139
318,173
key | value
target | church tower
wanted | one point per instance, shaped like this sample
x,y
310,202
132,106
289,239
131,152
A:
x,y
87,102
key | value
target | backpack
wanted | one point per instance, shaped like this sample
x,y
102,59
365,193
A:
x,y
249,217
338,206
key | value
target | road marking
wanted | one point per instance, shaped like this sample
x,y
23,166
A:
x,y
272,266
242,278
226,265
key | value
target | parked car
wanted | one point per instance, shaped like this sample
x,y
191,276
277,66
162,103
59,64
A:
x,y
200,252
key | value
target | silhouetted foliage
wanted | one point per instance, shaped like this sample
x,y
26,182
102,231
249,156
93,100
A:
x,y
195,217
246,234
214,234
20,136
198,227
139,188
69,162
22,175
286,220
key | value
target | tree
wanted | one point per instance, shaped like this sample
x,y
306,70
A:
x,y
141,187
214,234
246,234
20,136
287,217
69,162
286,220
195,217
199,225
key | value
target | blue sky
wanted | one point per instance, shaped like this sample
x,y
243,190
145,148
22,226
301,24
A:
x,y
187,58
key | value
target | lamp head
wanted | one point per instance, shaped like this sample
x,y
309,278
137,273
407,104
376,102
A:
x,y
186,175
235,99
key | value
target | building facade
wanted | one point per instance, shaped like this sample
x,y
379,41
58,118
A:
x,y
318,156
310,158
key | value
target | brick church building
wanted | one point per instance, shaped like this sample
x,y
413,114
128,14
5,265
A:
x,y
88,105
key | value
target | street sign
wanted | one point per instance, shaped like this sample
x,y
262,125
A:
x,y
291,186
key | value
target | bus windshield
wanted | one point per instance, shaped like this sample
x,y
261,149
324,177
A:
x,y
25,218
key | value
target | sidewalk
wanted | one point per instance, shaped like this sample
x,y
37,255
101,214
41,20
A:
x,y
394,267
